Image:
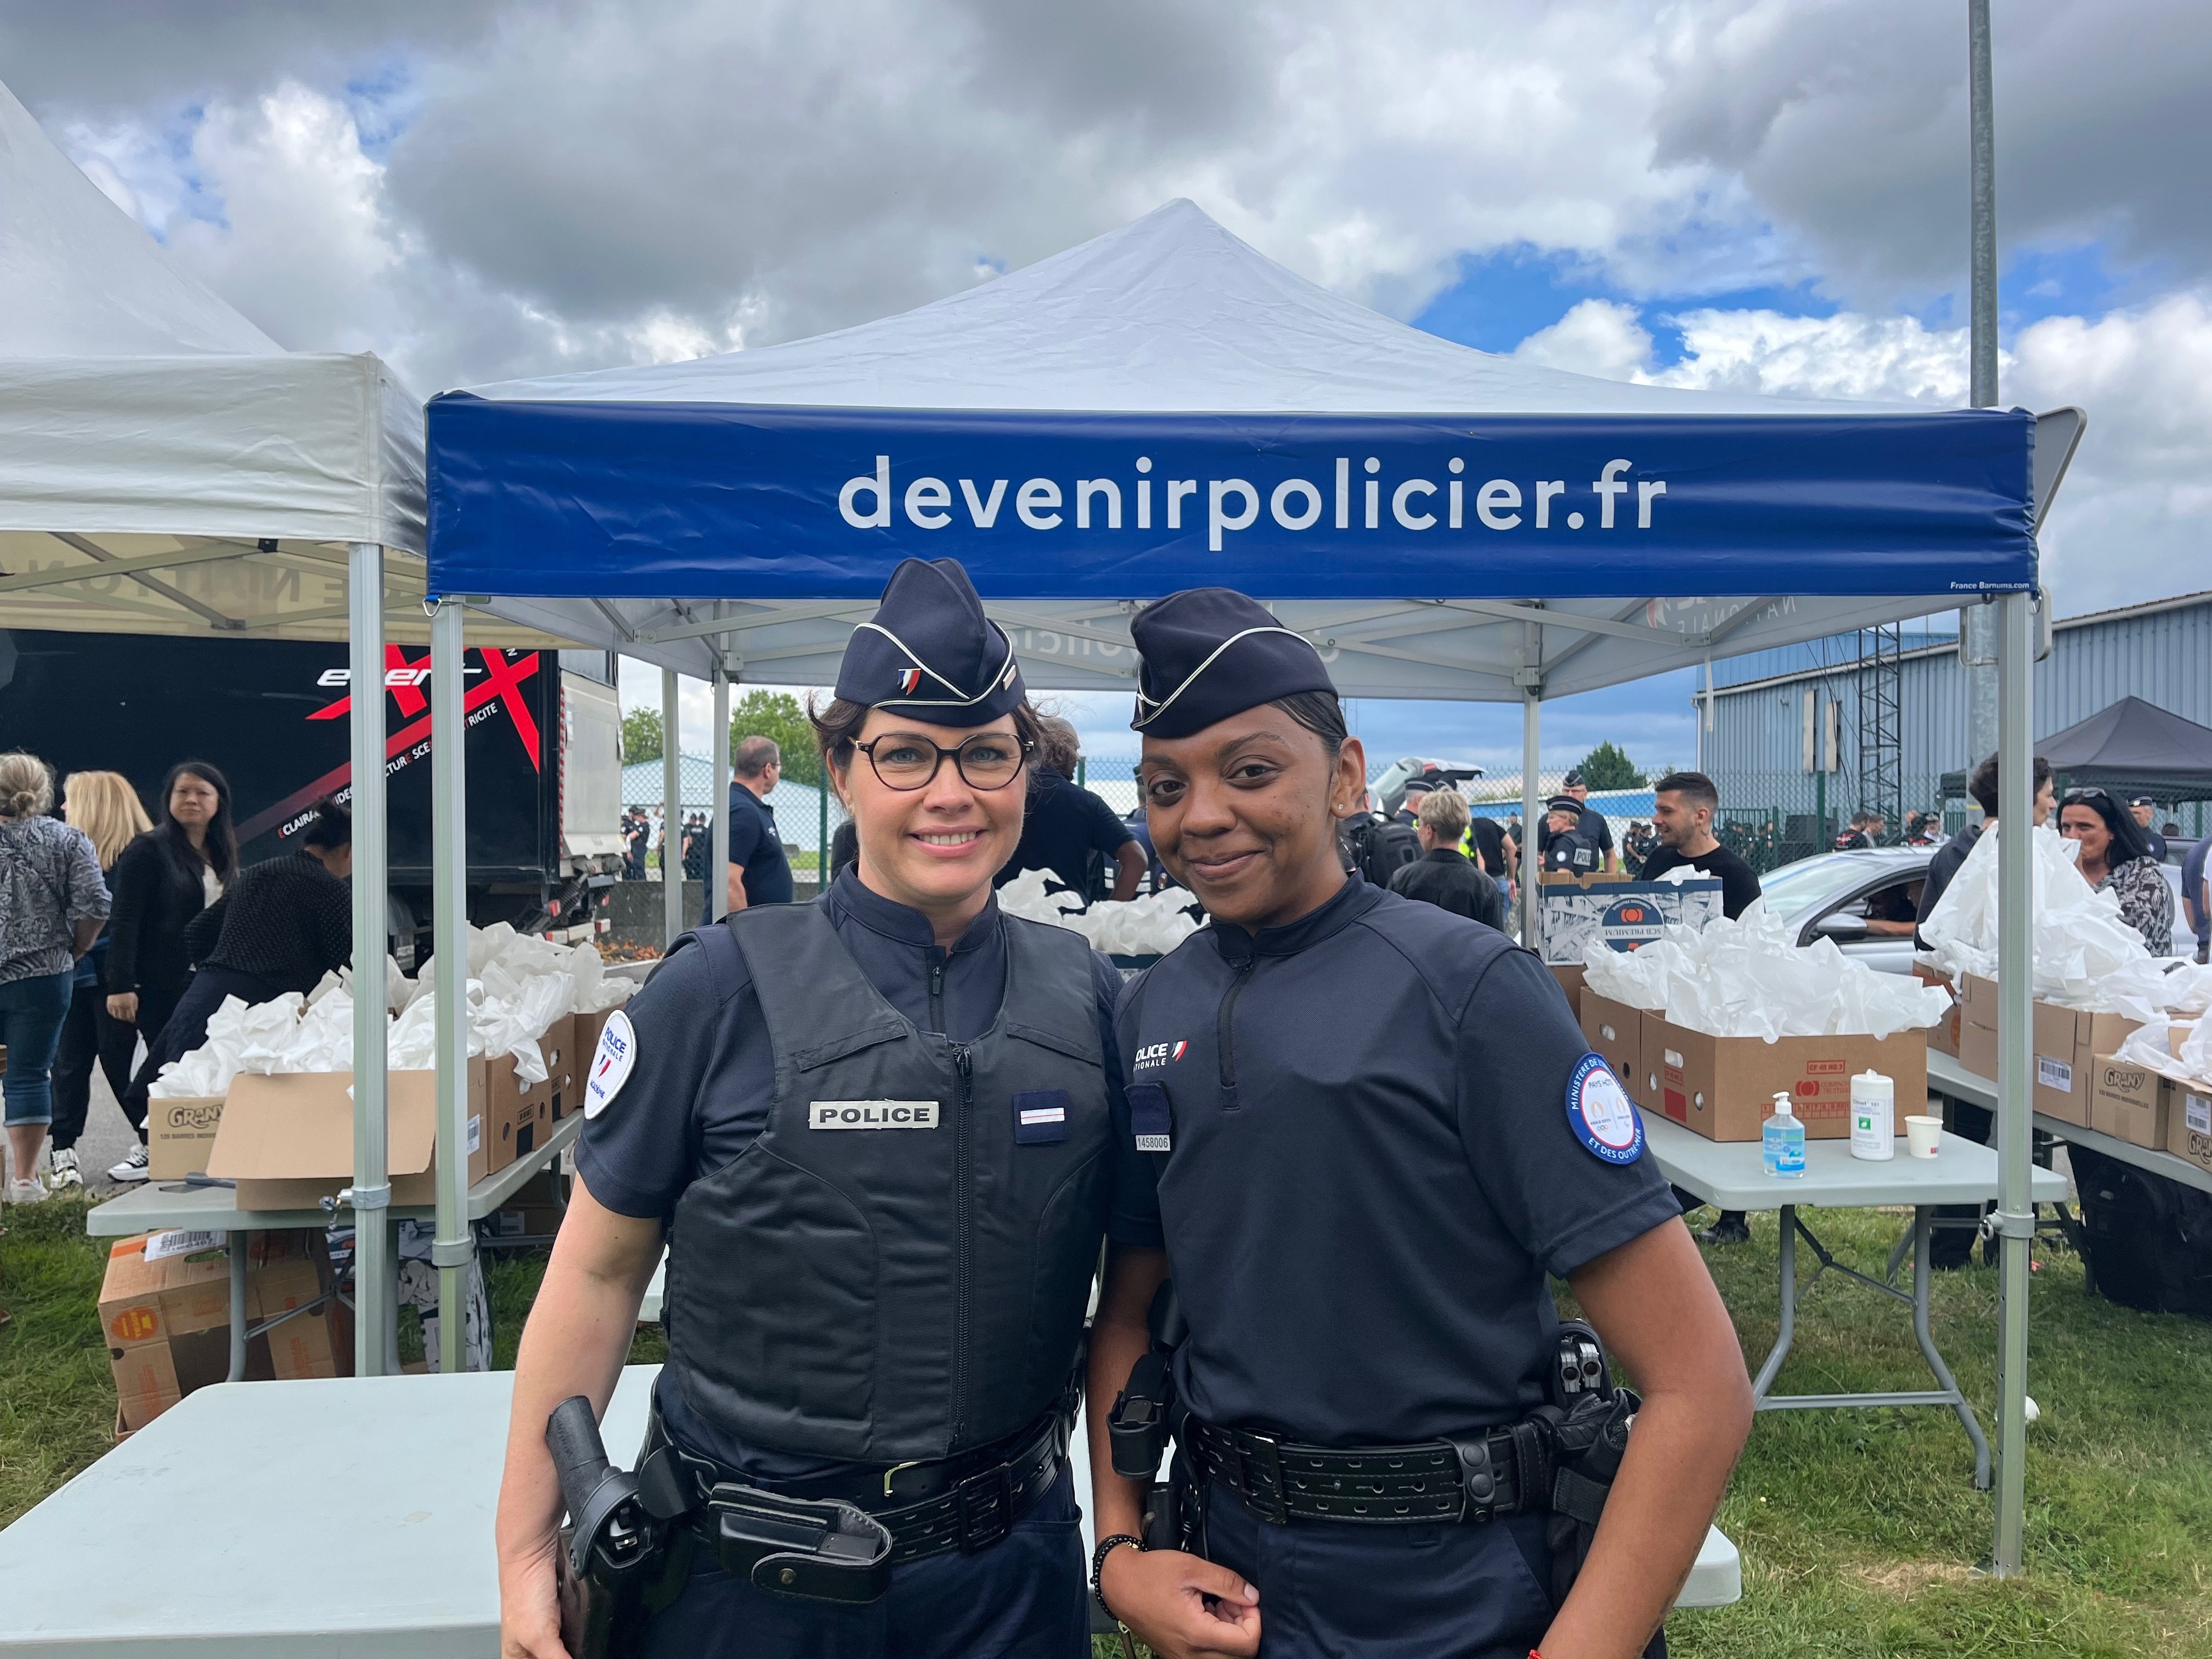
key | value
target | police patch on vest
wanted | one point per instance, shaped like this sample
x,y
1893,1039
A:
x,y
1041,1117
611,1063
1600,1114
871,1115
1151,1118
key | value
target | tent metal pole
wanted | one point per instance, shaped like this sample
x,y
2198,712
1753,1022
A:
x,y
1532,827
454,1246
1979,623
671,812
718,852
2015,1216
375,1336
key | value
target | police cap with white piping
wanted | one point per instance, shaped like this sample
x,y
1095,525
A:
x,y
930,652
1209,652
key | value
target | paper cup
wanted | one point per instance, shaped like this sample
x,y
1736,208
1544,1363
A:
x,y
1923,1135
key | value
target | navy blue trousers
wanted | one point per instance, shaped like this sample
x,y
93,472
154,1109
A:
x,y
1334,1590
1023,1598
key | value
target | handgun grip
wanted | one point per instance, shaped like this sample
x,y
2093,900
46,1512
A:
x,y
580,1456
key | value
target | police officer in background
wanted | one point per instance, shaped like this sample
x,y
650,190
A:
x,y
1569,848
1379,1131
883,1136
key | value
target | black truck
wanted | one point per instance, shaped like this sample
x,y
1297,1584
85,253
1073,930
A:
x,y
544,768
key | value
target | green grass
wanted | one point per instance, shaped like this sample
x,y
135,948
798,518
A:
x,y
1860,1530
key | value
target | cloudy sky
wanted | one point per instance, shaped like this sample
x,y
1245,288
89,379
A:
x,y
1764,194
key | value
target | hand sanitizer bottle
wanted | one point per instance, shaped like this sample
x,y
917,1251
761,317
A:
x,y
1782,1142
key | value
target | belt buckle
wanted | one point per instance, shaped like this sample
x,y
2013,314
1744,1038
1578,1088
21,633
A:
x,y
984,1504
892,1474
1262,1460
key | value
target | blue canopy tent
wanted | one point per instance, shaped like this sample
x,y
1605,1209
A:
x,y
1163,407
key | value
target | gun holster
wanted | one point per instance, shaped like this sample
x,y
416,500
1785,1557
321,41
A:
x,y
817,1549
614,1561
1587,1427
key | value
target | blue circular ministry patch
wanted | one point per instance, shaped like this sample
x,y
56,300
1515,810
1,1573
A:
x,y
1601,1115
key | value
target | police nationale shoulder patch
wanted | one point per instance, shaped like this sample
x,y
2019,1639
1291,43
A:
x,y
1601,1115
611,1063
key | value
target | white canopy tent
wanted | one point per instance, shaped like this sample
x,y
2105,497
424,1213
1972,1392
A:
x,y
1170,319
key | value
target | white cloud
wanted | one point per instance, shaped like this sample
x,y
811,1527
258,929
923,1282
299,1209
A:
x,y
1598,336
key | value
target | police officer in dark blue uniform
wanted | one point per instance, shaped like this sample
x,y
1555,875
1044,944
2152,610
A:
x,y
883,1135
1379,1134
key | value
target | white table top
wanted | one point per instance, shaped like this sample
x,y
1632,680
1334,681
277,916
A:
x,y
158,1204
268,1519
1729,1174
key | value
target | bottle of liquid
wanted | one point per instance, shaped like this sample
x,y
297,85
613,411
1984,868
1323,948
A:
x,y
1873,1116
1782,1142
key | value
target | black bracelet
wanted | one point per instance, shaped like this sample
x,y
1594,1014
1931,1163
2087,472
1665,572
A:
x,y
1098,1565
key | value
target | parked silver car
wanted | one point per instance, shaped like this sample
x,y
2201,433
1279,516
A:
x,y
1865,901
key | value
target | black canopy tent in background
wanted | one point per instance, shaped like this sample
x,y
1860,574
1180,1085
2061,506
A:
x,y
2134,748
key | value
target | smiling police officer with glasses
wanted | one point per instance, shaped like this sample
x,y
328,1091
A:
x,y
1379,1135
883,1135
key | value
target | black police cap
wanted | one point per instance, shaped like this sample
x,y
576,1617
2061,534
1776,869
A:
x,y
930,652
1562,804
1209,652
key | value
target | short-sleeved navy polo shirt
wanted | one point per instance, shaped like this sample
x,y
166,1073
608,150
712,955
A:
x,y
1062,825
1373,1169
756,846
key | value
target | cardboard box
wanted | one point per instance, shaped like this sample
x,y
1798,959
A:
x,y
1569,974
534,1211
1615,1031
286,1141
179,1133
2189,1125
565,1058
2130,1103
1573,913
1943,1038
2066,1043
1723,1088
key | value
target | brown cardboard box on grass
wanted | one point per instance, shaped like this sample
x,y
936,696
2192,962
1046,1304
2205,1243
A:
x,y
179,1132
2128,1103
1615,1032
534,1211
2188,1124
286,1141
1943,1038
1723,1088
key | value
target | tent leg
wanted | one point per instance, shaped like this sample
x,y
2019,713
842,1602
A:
x,y
454,1248
671,812
2015,1216
1532,826
373,1288
718,852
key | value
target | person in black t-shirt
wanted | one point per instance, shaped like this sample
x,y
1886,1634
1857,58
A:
x,y
1065,824
1683,805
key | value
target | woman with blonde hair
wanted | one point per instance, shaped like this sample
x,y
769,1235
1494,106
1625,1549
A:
x,y
52,903
107,809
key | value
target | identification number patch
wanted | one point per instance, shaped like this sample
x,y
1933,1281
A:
x,y
1151,1118
611,1063
871,1115
1601,1115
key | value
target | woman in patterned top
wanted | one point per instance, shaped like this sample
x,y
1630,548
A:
x,y
2115,854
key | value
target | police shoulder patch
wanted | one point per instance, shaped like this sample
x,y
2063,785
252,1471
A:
x,y
1601,1115
611,1063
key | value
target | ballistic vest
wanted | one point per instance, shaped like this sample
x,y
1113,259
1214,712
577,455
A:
x,y
896,1268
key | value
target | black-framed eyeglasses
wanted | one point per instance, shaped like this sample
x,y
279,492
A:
x,y
990,760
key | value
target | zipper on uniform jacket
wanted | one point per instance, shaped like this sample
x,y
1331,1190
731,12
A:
x,y
963,1231
1225,1033
937,998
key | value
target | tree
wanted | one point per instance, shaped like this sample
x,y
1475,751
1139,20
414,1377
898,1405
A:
x,y
640,736
777,714
1607,767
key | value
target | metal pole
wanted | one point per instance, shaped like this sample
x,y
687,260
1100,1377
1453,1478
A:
x,y
1532,827
454,1246
374,1288
2015,1216
718,853
1980,623
672,814
821,833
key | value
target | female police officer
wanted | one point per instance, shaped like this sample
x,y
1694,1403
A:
x,y
1379,1129
877,1132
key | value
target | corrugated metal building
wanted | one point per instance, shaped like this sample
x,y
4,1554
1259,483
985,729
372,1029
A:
x,y
1753,745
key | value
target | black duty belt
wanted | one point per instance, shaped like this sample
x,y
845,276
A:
x,y
966,1503
1493,1471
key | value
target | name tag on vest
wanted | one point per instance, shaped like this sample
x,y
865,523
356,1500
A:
x,y
871,1115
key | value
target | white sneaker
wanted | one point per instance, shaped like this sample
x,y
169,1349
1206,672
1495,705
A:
x,y
132,1168
25,1192
64,1175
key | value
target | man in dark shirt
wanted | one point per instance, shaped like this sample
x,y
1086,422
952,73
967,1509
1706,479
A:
x,y
1443,876
2143,809
1490,846
2196,911
760,870
1683,805
1063,824
1952,853
1593,826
